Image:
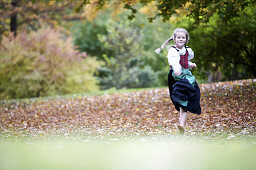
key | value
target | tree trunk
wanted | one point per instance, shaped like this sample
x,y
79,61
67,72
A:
x,y
13,24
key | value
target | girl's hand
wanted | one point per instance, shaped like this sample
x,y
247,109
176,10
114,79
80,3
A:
x,y
193,65
177,72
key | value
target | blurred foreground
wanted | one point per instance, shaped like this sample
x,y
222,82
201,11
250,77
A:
x,y
142,153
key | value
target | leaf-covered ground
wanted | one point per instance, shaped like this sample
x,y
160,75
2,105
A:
x,y
228,110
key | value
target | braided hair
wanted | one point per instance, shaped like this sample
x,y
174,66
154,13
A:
x,y
158,50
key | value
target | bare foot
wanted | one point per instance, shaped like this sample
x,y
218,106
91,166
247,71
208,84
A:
x,y
181,129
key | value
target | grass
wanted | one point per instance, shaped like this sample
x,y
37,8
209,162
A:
x,y
138,153
70,96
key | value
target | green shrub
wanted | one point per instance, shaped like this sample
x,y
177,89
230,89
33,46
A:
x,y
44,63
105,78
86,38
125,69
137,77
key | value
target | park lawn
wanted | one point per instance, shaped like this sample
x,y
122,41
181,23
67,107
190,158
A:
x,y
166,152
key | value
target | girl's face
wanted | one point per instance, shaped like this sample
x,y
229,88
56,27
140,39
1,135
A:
x,y
180,39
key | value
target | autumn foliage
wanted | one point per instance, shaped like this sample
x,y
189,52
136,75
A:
x,y
228,108
44,63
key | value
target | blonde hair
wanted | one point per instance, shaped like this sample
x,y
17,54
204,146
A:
x,y
172,38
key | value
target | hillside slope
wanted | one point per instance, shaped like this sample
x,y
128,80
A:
x,y
228,108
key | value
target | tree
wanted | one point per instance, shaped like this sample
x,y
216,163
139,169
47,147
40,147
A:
x,y
44,63
124,69
233,22
199,10
16,13
226,47
13,23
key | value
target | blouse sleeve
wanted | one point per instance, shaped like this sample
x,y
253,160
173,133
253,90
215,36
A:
x,y
174,59
190,56
190,53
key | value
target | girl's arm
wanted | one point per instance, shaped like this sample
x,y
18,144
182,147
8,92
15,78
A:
x,y
190,56
174,61
191,65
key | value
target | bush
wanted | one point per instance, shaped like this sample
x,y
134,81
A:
x,y
44,63
86,38
140,77
105,78
125,69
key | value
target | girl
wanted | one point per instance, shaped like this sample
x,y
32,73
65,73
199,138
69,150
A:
x,y
183,89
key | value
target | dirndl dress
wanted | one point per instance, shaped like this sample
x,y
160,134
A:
x,y
183,89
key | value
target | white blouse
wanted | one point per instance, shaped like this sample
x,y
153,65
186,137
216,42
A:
x,y
174,57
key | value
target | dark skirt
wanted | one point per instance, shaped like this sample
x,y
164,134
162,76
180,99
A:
x,y
182,90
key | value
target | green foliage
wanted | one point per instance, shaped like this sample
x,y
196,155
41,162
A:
x,y
199,10
44,63
154,34
146,77
151,36
105,77
224,49
222,35
86,38
125,67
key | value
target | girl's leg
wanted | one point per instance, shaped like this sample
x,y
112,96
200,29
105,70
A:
x,y
183,118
